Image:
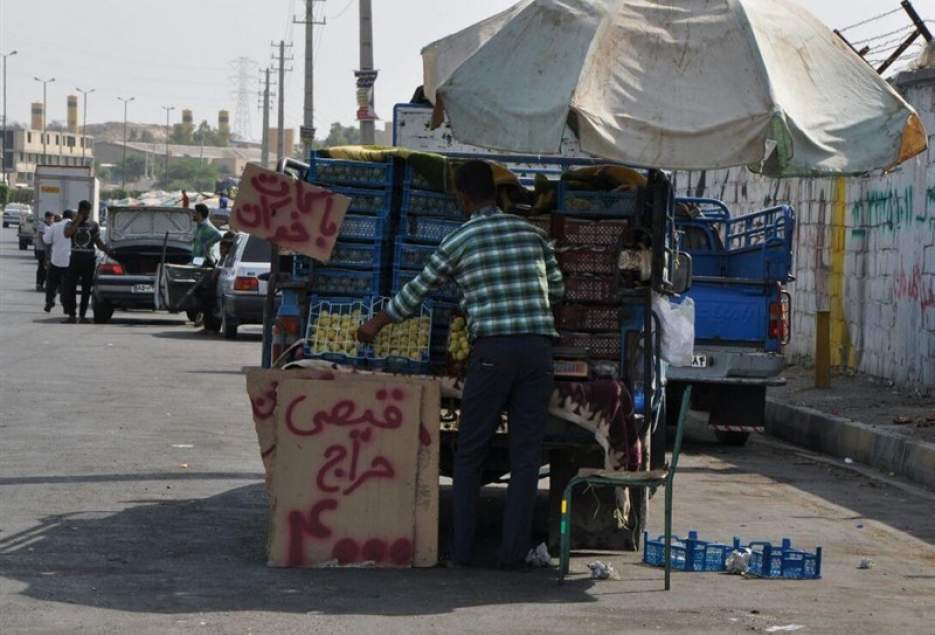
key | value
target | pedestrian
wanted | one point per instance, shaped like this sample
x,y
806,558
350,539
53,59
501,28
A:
x,y
508,279
39,249
185,202
206,238
59,252
85,235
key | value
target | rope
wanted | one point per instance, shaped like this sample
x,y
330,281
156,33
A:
x,y
869,20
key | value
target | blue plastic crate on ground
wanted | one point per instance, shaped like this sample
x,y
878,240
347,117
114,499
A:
x,y
336,282
784,561
403,347
354,173
594,204
689,554
411,256
439,204
371,229
448,293
331,332
425,229
370,202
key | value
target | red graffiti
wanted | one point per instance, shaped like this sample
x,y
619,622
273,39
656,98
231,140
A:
x,y
301,525
911,286
345,551
343,413
424,437
335,468
265,405
401,551
348,550
265,453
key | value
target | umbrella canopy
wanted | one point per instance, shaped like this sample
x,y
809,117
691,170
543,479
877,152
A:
x,y
689,84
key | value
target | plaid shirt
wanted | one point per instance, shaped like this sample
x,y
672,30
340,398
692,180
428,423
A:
x,y
505,269
205,242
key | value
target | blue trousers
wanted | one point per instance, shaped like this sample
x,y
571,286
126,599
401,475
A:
x,y
512,373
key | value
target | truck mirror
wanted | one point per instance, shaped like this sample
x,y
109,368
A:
x,y
682,277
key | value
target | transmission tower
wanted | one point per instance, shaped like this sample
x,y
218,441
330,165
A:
x,y
243,80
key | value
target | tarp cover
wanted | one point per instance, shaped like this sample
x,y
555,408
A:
x,y
692,84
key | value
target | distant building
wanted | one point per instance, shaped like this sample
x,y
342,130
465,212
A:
x,y
230,160
24,151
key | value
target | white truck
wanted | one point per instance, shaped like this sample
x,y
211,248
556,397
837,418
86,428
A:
x,y
61,187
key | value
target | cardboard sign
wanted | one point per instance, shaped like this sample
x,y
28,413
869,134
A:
x,y
344,478
294,215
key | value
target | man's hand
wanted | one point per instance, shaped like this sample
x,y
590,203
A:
x,y
368,332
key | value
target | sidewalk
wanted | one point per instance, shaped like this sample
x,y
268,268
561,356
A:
x,y
859,418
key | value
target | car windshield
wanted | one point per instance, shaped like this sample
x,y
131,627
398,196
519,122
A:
x,y
257,250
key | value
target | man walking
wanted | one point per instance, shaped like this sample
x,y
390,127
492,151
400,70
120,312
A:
x,y
59,252
509,278
206,238
39,249
84,234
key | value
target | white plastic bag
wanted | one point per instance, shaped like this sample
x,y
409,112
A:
x,y
678,329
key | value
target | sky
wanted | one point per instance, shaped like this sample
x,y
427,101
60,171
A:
x,y
181,52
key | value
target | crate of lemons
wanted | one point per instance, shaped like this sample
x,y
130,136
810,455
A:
x,y
458,346
332,330
408,339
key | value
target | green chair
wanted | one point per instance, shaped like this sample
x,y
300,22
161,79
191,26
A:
x,y
655,478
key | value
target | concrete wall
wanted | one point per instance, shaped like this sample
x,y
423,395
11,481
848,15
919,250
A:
x,y
864,250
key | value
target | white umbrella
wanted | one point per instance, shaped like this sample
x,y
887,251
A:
x,y
692,84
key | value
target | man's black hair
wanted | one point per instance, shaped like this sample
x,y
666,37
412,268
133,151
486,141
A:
x,y
202,209
474,179
47,214
69,214
84,206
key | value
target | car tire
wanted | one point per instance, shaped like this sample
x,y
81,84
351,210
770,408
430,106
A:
x,y
211,322
733,439
192,316
103,311
23,244
228,327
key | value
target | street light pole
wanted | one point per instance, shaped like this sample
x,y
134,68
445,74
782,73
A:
x,y
84,122
123,169
3,142
45,115
168,109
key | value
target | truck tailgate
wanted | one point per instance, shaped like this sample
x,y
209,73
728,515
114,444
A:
x,y
731,310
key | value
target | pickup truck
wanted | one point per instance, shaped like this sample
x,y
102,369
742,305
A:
x,y
139,237
742,312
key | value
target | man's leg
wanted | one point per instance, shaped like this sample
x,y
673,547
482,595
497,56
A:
x,y
40,271
52,286
87,281
69,290
486,391
528,409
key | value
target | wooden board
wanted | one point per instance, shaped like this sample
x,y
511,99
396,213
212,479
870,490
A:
x,y
344,478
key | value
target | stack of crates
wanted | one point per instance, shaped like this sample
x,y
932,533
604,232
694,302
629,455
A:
x,y
426,218
359,264
587,229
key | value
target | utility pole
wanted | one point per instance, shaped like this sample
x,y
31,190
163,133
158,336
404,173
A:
x,y
45,114
168,109
123,168
281,130
242,126
307,132
3,142
265,95
366,76
84,124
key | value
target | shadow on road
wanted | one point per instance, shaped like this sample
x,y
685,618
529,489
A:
x,y
208,555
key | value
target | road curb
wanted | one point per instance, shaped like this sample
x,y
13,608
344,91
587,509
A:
x,y
845,438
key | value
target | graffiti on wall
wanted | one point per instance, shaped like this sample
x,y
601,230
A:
x,y
891,210
912,285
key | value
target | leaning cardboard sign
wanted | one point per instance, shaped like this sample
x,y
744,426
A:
x,y
290,213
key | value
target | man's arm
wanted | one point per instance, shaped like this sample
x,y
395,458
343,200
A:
x,y
214,237
47,236
71,228
553,274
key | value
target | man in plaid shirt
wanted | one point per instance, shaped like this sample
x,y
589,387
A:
x,y
509,279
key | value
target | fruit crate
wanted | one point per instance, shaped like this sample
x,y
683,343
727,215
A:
x,y
411,256
345,283
689,554
403,347
576,260
594,345
359,255
783,561
577,317
596,289
370,229
425,229
331,332
438,204
593,204
587,233
368,174
543,222
413,180
448,293
369,202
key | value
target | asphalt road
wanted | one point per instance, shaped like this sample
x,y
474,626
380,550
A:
x,y
131,501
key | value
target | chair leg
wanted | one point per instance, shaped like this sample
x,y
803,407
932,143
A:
x,y
668,532
565,531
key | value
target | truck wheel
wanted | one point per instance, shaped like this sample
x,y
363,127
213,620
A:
x,y
736,439
23,244
103,311
228,327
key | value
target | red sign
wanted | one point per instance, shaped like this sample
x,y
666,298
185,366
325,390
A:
x,y
290,213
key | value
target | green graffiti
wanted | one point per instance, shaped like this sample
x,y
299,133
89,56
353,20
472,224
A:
x,y
888,210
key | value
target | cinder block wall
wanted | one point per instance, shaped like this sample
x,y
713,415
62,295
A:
x,y
864,250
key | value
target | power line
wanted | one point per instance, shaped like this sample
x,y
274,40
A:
x,y
342,11
873,19
904,29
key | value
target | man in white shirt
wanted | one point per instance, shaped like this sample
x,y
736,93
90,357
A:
x,y
59,257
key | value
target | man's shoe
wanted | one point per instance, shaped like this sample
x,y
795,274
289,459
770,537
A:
x,y
70,320
83,320
48,306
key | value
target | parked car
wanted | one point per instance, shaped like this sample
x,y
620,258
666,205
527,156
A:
x,y
26,232
241,287
13,213
139,238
